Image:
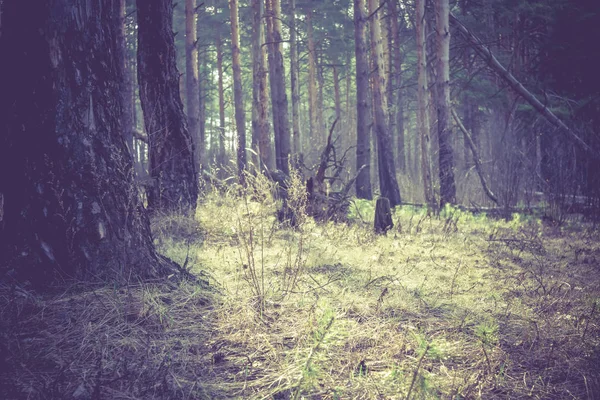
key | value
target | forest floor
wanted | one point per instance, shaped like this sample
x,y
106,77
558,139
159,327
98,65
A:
x,y
448,306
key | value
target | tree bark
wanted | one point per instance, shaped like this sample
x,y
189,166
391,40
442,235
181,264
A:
x,y
296,148
363,142
238,93
446,155
422,116
279,101
71,209
192,86
172,167
383,216
201,150
261,142
127,88
388,184
221,129
316,132
396,60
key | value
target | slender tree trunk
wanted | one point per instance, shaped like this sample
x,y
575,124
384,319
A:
x,y
238,93
396,57
201,150
297,148
261,142
279,101
446,156
388,184
221,128
316,133
171,148
422,95
71,209
336,94
127,89
363,142
191,79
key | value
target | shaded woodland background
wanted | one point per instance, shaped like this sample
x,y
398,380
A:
x,y
188,192
473,103
525,158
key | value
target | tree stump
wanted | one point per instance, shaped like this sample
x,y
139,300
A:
x,y
383,216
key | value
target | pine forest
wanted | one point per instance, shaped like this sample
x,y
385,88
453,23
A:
x,y
300,199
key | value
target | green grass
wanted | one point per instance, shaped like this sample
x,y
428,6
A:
x,y
448,306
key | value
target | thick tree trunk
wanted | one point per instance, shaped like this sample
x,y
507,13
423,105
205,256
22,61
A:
x,y
388,184
279,101
296,148
422,95
172,167
383,216
192,86
238,93
446,155
71,210
261,142
363,142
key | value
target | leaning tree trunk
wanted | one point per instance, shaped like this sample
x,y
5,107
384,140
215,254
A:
x,y
446,156
279,102
363,143
388,183
71,209
175,186
238,93
192,86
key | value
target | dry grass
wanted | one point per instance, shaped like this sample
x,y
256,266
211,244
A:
x,y
450,307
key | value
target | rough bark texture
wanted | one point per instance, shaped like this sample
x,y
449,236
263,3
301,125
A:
x,y
175,186
192,87
383,216
297,147
71,210
422,116
446,155
238,93
388,184
279,101
363,144
261,142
